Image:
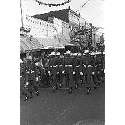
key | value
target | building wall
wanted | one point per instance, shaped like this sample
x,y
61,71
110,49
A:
x,y
73,17
38,28
63,30
66,31
47,32
56,31
75,20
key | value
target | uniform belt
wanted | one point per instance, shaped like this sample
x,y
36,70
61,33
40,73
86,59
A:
x,y
104,71
55,66
84,65
37,78
68,65
89,66
32,71
27,83
49,72
77,66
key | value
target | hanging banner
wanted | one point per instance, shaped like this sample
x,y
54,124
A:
x,y
51,4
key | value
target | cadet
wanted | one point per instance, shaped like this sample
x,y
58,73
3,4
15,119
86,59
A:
x,y
94,75
82,68
88,73
53,70
76,69
31,78
60,69
46,72
23,81
68,62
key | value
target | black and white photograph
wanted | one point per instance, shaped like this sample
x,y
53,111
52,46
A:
x,y
62,62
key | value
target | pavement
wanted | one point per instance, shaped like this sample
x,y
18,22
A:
x,y
63,108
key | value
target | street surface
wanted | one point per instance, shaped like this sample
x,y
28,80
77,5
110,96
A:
x,y
63,108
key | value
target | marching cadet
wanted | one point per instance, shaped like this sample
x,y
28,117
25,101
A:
x,y
98,67
24,80
94,75
22,72
23,86
53,70
60,69
43,72
88,73
68,62
46,72
51,56
76,69
28,85
82,68
31,78
102,66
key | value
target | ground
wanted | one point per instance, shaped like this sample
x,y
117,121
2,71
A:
x,y
62,108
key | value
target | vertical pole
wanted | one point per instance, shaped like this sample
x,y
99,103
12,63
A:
x,y
21,13
79,23
85,33
62,27
47,30
94,41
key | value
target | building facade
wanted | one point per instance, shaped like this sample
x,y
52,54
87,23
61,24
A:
x,y
49,33
58,27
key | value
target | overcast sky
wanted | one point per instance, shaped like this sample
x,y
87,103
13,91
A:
x,y
93,11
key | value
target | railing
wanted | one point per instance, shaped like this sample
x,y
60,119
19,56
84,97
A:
x,y
36,43
24,45
30,43
22,49
27,42
28,39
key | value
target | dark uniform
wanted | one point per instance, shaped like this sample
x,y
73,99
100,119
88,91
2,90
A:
x,y
40,71
46,72
76,69
83,68
22,77
88,73
24,80
53,62
68,62
98,68
31,78
60,70
94,73
86,69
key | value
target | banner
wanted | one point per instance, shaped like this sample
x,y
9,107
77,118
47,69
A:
x,y
51,4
